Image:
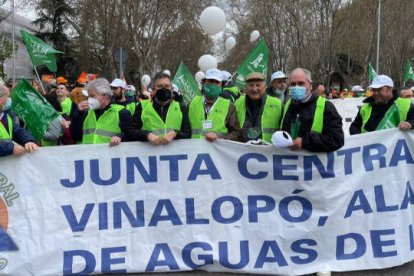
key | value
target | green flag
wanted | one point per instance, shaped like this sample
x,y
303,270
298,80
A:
x,y
408,75
256,61
186,83
32,108
391,118
40,53
371,72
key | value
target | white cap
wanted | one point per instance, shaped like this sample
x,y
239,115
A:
x,y
225,75
175,88
281,139
357,88
214,74
130,87
167,72
118,83
381,81
278,75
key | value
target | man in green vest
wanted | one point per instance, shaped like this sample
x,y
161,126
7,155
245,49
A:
x,y
212,116
259,114
118,87
160,120
14,140
384,109
97,120
312,121
64,100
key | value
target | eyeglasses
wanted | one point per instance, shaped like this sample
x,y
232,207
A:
x,y
300,83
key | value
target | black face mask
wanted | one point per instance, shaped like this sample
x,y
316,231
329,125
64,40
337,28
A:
x,y
163,94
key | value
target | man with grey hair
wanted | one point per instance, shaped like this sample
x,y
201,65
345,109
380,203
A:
x,y
14,140
97,120
312,121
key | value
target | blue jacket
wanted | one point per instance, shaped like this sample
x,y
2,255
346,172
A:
x,y
20,135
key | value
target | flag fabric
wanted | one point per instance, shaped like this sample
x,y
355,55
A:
x,y
40,53
186,83
371,72
391,118
256,61
408,74
32,108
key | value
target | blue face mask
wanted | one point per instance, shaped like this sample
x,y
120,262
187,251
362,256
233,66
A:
x,y
297,93
8,105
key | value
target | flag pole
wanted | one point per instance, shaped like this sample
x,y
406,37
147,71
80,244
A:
x,y
40,81
378,34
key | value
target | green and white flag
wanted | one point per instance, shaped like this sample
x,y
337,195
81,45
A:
x,y
32,108
256,61
40,53
391,118
186,83
371,72
408,74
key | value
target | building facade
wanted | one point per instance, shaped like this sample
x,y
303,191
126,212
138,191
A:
x,y
23,64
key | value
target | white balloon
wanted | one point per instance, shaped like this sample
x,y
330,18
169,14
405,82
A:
x,y
206,62
199,76
230,43
167,72
145,80
212,20
254,35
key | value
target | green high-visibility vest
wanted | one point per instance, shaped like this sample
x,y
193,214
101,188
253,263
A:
x,y
403,106
46,143
272,113
131,107
6,136
152,122
317,124
217,116
101,131
66,106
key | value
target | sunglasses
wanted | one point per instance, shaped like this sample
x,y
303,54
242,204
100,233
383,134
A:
x,y
300,83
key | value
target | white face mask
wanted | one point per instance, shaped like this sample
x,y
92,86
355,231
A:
x,y
94,104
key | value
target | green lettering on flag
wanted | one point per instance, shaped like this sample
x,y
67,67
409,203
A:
x,y
32,108
256,61
186,83
40,53
371,72
408,74
391,118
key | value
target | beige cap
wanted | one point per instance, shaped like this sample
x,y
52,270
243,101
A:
x,y
255,76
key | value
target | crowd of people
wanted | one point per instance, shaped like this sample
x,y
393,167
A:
x,y
113,112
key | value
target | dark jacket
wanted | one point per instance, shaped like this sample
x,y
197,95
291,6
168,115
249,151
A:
x,y
135,133
332,136
271,92
20,135
377,114
78,117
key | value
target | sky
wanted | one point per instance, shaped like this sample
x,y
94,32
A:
x,y
22,8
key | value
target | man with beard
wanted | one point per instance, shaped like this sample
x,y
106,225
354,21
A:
x,y
118,87
161,119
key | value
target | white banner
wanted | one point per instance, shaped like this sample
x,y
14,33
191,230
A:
x,y
220,206
348,109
